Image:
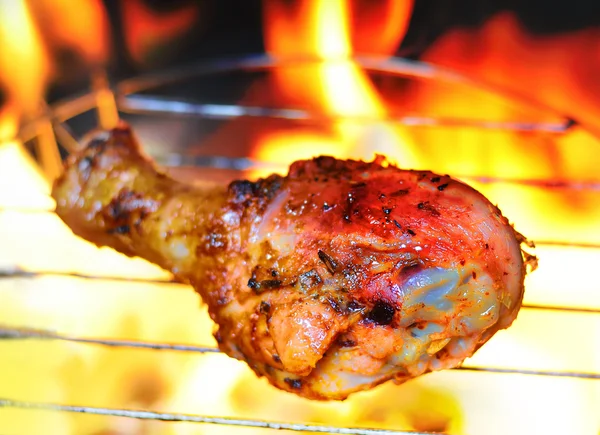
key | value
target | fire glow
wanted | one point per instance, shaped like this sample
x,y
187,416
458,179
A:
x,y
456,402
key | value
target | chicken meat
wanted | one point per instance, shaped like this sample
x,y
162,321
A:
x,y
333,279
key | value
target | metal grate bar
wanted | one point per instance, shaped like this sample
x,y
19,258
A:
x,y
31,333
8,333
557,308
17,272
559,374
152,105
190,418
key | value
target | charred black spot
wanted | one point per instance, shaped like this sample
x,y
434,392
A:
x,y
309,279
346,342
269,284
411,232
326,206
243,190
325,162
382,313
400,192
435,179
334,303
386,210
294,384
265,307
274,273
253,284
127,208
122,229
240,189
276,358
441,187
117,208
427,207
348,208
397,224
329,262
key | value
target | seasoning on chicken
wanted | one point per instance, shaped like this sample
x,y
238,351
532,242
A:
x,y
331,280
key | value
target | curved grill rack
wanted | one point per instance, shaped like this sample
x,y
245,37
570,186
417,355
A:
x,y
135,97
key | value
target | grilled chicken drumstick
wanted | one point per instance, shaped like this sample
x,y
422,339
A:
x,y
331,280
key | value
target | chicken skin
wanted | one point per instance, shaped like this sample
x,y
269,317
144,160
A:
x,y
333,279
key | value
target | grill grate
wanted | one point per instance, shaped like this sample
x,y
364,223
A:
x,y
8,333
134,100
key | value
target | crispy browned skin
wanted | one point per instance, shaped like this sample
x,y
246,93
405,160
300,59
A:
x,y
333,279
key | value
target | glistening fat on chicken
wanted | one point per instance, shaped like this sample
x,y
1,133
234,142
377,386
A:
x,y
331,280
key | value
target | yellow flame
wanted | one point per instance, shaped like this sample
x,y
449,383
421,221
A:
x,y
335,87
24,65
79,25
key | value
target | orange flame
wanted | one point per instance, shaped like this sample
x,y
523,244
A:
x,y
31,37
81,26
336,86
559,70
389,17
146,29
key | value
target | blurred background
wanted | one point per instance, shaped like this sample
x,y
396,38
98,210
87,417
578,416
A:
x,y
511,105
521,45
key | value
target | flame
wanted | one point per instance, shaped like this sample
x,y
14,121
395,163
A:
x,y
24,65
556,70
389,17
146,29
83,27
30,36
338,87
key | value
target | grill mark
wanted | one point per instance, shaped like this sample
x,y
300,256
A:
x,y
294,384
127,209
